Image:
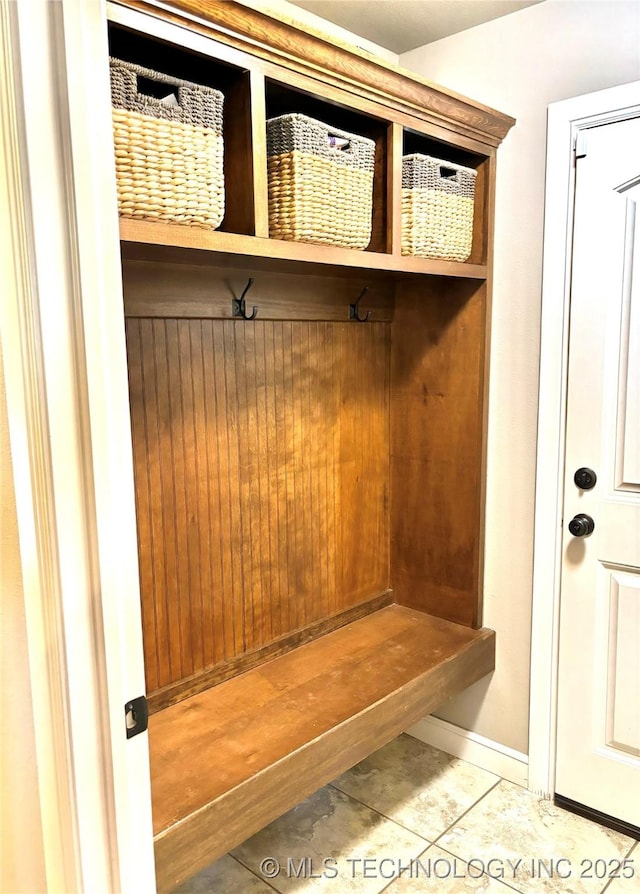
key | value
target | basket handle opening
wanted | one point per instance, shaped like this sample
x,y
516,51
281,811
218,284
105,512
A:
x,y
448,173
342,144
163,93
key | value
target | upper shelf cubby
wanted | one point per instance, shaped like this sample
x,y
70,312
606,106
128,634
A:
x,y
452,158
234,83
282,100
256,90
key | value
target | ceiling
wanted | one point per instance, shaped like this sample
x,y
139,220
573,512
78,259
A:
x,y
403,25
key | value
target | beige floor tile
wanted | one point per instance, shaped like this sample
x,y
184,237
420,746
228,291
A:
x,y
628,881
416,785
554,846
322,844
436,870
225,876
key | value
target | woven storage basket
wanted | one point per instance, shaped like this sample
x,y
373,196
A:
x,y
320,182
168,152
437,208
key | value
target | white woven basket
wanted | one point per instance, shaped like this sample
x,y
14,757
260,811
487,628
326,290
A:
x,y
169,151
437,208
320,182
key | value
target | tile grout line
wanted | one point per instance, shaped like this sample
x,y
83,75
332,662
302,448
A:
x,y
486,874
393,880
413,832
455,856
429,843
261,878
462,815
380,813
465,812
636,844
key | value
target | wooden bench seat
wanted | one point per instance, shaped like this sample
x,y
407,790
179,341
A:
x,y
229,760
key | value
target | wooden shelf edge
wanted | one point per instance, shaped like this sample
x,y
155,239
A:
x,y
420,662
177,236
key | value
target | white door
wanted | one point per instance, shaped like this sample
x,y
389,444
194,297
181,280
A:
x,y
598,746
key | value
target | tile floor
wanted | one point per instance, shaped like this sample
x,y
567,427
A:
x,y
413,819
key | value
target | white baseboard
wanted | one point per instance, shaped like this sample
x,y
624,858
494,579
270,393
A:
x,y
485,753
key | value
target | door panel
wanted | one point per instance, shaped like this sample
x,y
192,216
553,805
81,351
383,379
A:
x,y
623,672
628,428
618,527
598,753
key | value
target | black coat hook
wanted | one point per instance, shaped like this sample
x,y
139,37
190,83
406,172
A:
x,y
353,308
239,307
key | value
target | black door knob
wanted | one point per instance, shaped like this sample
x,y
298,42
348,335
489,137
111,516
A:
x,y
581,525
585,478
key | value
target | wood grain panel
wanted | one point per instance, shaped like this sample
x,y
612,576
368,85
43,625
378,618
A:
x,y
261,465
185,290
218,673
146,475
239,174
245,156
381,190
226,762
483,194
394,188
437,448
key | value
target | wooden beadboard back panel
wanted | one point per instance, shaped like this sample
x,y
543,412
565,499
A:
x,y
437,438
261,457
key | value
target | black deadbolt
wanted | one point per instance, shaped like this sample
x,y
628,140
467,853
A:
x,y
581,525
585,478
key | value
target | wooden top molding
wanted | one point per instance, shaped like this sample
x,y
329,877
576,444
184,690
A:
x,y
289,44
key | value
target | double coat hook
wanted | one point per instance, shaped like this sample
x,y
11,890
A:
x,y
239,307
353,308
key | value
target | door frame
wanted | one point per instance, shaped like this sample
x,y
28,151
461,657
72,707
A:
x,y
62,331
568,124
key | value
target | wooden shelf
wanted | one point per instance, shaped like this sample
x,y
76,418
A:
x,y
150,233
229,760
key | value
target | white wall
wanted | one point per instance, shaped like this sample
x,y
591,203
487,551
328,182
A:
x,y
518,64
21,846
